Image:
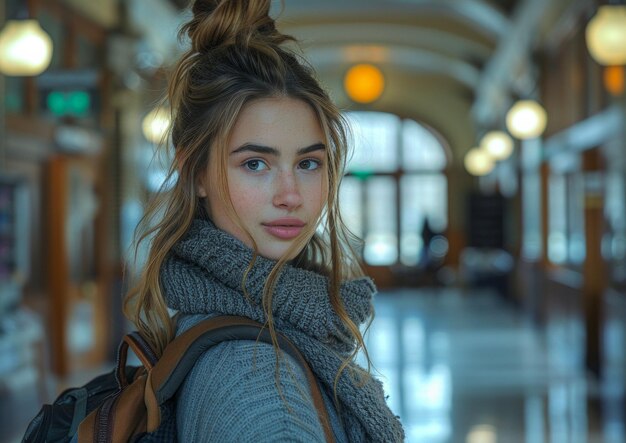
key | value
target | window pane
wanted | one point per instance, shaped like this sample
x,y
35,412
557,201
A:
x,y
381,239
531,213
507,177
350,201
422,196
421,149
615,204
615,207
531,203
375,142
577,248
557,212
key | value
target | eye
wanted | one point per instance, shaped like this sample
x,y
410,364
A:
x,y
255,165
310,164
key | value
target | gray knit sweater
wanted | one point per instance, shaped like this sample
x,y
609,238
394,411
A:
x,y
231,394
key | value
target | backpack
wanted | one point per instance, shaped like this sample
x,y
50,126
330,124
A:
x,y
136,404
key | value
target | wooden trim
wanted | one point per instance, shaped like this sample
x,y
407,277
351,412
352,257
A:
x,y
67,292
594,267
544,172
31,96
70,47
31,126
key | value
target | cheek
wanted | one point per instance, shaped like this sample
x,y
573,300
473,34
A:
x,y
317,194
247,200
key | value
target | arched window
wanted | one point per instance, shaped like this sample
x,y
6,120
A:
x,y
395,181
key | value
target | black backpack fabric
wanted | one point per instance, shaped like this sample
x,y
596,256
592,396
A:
x,y
58,422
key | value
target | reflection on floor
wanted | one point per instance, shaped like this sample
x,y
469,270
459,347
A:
x,y
468,368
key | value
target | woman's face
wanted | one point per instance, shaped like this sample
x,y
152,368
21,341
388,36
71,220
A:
x,y
276,164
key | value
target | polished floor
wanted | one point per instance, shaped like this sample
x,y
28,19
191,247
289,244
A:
x,y
468,367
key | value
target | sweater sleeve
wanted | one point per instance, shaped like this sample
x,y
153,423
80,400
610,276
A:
x,y
231,396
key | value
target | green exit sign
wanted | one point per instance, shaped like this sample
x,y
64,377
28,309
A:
x,y
75,103
362,174
70,92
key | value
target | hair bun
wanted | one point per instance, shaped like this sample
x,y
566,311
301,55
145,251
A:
x,y
217,23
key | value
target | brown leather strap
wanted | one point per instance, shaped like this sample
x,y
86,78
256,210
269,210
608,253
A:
x,y
142,350
181,354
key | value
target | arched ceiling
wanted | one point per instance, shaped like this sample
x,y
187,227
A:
x,y
431,52
439,57
449,63
480,16
446,43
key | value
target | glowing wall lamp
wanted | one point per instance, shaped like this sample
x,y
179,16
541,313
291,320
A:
x,y
606,35
364,83
526,119
25,48
156,124
498,144
478,162
613,77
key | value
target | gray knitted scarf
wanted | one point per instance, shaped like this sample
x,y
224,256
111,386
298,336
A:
x,y
203,274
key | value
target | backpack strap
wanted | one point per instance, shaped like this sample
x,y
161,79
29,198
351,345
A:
x,y
182,353
142,350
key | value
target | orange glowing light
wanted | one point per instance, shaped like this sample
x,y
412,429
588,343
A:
x,y
614,80
364,83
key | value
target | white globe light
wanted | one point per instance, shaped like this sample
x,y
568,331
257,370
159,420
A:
x,y
25,48
497,144
156,124
606,35
478,162
482,434
526,119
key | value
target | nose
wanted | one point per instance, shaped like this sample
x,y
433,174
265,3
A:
x,y
287,193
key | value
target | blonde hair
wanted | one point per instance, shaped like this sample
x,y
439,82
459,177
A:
x,y
236,56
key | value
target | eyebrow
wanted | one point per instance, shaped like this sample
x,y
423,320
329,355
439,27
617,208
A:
x,y
260,149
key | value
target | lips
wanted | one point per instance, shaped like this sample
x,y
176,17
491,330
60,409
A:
x,y
284,228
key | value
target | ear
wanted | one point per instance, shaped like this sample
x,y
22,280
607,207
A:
x,y
200,187
201,190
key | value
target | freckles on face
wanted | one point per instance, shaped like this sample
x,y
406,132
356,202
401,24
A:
x,y
276,171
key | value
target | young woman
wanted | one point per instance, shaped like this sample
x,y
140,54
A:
x,y
251,227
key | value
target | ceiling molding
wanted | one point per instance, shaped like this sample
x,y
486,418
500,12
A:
x,y
480,15
390,34
410,59
510,62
